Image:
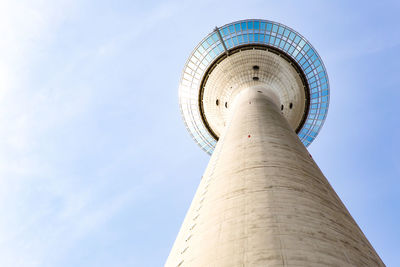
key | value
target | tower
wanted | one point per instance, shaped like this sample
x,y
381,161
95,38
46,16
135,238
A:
x,y
254,94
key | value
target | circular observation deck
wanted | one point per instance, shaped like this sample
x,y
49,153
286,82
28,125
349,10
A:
x,y
246,54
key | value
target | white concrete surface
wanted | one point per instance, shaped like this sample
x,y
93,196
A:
x,y
263,201
235,73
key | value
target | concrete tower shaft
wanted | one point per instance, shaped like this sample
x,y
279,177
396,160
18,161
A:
x,y
264,202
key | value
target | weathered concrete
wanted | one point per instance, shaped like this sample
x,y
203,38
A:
x,y
264,202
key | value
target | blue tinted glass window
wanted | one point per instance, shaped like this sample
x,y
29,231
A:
x,y
314,57
235,41
212,53
210,40
280,30
197,54
249,25
220,48
302,43
291,49
275,28
215,37
231,29
245,38
262,26
240,38
287,46
272,40
244,26
256,25
256,37
306,47
291,36
286,33
229,41
269,26
266,38
277,40
201,49
237,27
225,31
296,39
251,38
282,44
205,45
310,52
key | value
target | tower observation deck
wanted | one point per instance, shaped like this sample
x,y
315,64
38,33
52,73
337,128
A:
x,y
254,94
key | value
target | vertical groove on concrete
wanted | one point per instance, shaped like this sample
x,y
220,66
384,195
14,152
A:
x,y
267,202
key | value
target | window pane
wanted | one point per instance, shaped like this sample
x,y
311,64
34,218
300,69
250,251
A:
x,y
256,25
237,27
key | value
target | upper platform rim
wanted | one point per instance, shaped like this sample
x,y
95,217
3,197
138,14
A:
x,y
248,32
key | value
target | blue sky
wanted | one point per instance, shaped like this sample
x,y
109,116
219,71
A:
x,y
96,167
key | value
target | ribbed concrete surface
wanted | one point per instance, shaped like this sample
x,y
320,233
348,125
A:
x,y
236,73
264,202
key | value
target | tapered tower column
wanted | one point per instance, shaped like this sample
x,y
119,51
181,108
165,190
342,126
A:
x,y
264,202
254,94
